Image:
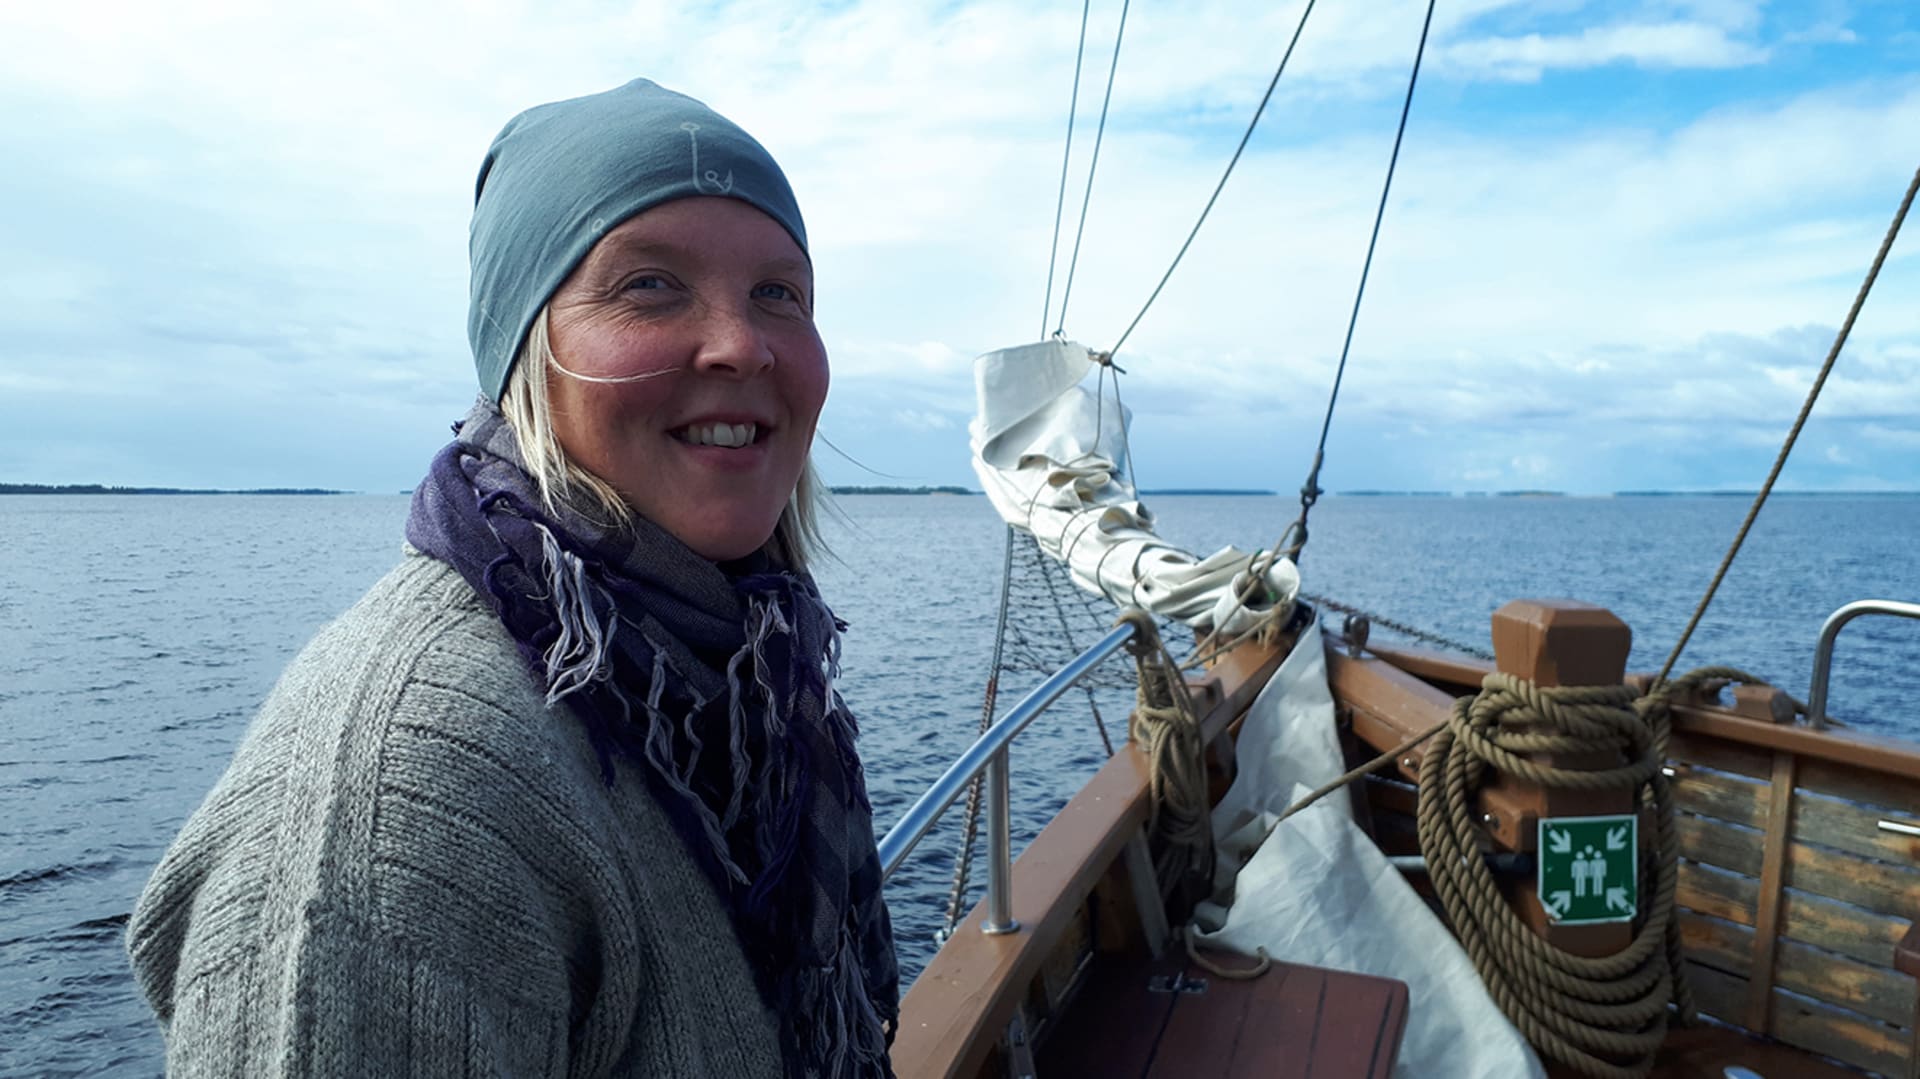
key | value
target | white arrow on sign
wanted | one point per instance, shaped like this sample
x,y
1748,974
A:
x,y
1617,899
1559,842
1617,838
1556,903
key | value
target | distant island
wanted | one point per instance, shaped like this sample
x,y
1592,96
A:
x,y
1776,494
101,489
1230,491
942,490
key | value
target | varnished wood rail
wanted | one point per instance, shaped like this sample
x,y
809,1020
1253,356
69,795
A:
x,y
954,1014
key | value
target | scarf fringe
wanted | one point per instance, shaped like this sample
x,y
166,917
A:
x,y
578,655
789,842
836,1021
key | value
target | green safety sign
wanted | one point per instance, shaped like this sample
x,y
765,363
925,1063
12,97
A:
x,y
1589,868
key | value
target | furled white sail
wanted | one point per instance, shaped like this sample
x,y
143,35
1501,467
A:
x,y
1359,914
1051,455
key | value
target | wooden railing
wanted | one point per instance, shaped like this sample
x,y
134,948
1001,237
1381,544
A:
x,y
958,1009
1799,882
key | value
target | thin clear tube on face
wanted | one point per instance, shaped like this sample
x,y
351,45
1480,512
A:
x,y
608,380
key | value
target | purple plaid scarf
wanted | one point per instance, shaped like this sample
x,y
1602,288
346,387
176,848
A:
x,y
718,688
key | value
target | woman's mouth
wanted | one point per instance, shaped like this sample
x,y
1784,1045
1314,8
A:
x,y
729,435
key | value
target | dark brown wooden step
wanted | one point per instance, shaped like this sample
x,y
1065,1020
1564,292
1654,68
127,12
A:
x,y
1294,1021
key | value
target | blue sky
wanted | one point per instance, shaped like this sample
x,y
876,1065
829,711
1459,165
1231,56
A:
x,y
232,246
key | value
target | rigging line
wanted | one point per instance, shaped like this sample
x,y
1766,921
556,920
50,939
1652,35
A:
x,y
1126,432
1093,166
856,462
1066,157
1806,409
1211,199
1310,491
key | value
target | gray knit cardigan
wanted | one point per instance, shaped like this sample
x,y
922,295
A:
x,y
414,868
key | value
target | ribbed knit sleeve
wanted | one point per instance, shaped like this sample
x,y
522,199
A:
x,y
414,868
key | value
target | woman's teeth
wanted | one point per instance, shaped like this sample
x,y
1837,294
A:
x,y
720,434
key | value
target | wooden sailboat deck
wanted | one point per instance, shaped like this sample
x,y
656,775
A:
x,y
1168,1018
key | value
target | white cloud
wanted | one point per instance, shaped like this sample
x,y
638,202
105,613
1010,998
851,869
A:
x,y
1655,45
272,206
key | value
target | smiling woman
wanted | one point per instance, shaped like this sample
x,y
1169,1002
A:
x,y
570,792
689,373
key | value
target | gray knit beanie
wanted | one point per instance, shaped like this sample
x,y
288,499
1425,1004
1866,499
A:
x,y
560,176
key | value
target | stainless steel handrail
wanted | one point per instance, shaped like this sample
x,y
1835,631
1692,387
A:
x,y
1823,652
989,753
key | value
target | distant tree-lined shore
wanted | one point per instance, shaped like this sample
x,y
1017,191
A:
x,y
103,489
942,490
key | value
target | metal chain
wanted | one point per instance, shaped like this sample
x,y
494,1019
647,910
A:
x,y
1401,628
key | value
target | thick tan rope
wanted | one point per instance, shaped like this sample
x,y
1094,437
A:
x,y
1603,1016
1167,729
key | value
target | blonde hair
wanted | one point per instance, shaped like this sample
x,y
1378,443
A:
x,y
524,403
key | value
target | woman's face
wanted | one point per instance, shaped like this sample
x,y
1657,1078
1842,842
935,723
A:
x,y
712,302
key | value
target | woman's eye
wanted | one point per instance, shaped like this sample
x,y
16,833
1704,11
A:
x,y
647,283
774,290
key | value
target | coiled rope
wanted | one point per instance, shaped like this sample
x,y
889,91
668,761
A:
x,y
1167,729
1601,1016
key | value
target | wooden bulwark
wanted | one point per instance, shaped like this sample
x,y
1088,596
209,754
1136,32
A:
x,y
1792,896
956,1010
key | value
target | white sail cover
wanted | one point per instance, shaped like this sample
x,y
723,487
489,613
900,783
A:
x,y
1051,455
1316,890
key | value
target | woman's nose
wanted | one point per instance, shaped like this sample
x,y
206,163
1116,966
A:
x,y
733,342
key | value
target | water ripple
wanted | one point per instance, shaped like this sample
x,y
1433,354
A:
x,y
188,635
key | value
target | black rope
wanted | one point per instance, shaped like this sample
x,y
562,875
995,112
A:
x,y
1310,491
1093,166
1066,157
1217,188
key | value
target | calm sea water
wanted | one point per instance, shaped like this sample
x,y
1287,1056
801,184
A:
x,y
137,635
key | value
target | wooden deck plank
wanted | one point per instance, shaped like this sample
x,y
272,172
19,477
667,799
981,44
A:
x,y
1363,1049
1294,1022
1113,1025
1203,1034
1705,1052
